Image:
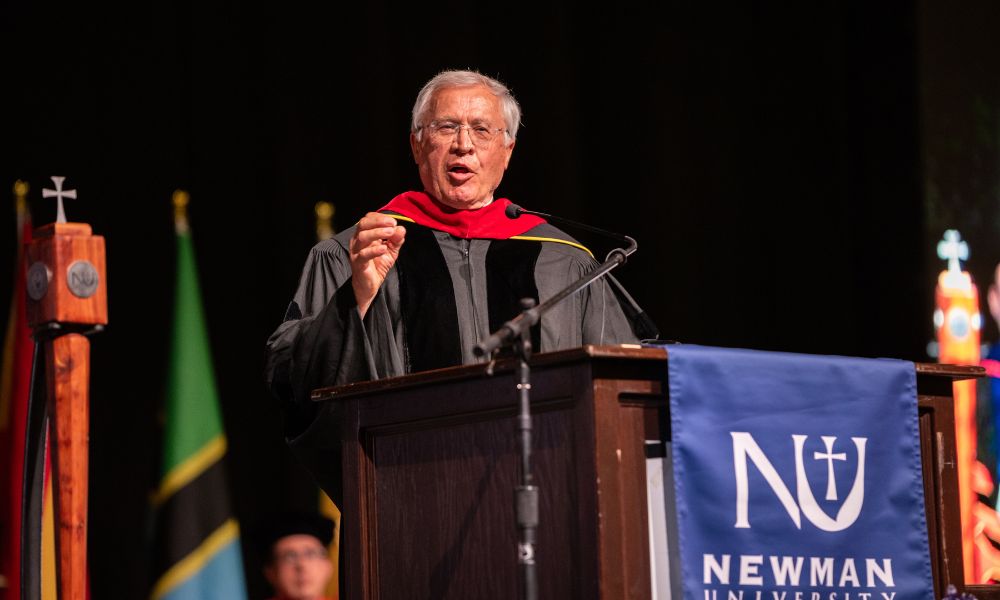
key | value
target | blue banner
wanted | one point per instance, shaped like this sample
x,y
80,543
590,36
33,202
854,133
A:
x,y
797,477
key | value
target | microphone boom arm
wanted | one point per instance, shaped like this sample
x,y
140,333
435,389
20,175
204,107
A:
x,y
522,323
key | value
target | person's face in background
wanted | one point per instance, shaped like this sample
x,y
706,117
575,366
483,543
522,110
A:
x,y
993,296
300,568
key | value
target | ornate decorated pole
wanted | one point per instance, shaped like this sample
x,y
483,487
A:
x,y
958,322
67,299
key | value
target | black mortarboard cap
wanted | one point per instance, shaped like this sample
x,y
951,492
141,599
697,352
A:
x,y
279,525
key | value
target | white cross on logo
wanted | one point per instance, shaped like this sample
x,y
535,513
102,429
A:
x,y
831,483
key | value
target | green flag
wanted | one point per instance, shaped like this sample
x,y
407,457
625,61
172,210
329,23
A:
x,y
197,537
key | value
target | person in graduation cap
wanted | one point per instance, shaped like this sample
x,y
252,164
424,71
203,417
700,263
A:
x,y
416,284
293,548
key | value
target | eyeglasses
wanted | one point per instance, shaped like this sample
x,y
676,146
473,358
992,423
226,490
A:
x,y
445,132
291,556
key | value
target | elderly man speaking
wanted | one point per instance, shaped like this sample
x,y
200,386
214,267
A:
x,y
417,284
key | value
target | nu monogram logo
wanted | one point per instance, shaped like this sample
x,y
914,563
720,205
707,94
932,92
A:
x,y
745,447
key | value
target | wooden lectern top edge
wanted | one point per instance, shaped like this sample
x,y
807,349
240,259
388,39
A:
x,y
53,229
581,353
623,351
956,372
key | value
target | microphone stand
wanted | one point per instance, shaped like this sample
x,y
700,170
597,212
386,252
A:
x,y
516,334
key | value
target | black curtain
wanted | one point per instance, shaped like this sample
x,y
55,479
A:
x,y
766,157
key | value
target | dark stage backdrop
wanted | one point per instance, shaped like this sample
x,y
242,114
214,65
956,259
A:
x,y
766,157
960,136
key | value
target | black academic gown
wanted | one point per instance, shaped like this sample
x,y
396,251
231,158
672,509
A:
x,y
443,295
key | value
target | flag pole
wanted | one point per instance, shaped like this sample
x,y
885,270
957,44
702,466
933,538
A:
x,y
324,230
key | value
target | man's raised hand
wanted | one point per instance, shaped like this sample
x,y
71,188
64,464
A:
x,y
374,248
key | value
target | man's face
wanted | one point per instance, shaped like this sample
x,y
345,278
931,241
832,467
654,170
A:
x,y
300,568
461,173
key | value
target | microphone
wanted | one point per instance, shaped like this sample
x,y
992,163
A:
x,y
642,324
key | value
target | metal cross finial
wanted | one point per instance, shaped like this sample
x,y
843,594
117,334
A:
x,y
829,457
324,220
59,194
181,199
953,249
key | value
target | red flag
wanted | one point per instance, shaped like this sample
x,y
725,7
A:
x,y
15,380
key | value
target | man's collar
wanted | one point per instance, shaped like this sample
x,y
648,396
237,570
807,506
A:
x,y
487,222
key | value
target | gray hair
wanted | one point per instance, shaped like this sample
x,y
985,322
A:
x,y
452,79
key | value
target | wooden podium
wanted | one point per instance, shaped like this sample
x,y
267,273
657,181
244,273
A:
x,y
430,464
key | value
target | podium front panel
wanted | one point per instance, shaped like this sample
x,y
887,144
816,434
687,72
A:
x,y
437,466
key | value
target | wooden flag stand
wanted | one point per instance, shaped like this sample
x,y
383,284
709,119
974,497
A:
x,y
67,299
